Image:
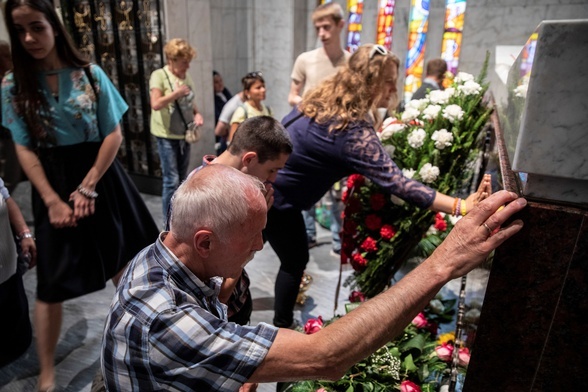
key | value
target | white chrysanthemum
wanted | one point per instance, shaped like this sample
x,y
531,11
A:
x,y
408,173
429,173
438,97
463,77
453,113
470,88
390,150
442,138
416,139
410,114
431,112
449,91
418,104
521,91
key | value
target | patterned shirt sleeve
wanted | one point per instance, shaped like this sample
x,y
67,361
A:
x,y
367,156
10,119
3,191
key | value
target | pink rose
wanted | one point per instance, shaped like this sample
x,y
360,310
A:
x,y
409,386
420,321
444,352
313,325
464,356
387,232
356,296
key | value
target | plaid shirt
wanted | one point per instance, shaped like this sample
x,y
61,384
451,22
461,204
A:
x,y
167,331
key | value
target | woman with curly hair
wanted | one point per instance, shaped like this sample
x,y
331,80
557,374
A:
x,y
333,133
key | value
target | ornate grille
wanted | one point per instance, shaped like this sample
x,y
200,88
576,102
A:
x,y
125,39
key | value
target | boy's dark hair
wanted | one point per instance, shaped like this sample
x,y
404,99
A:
x,y
437,68
263,135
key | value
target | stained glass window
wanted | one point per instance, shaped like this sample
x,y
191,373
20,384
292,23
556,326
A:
x,y
385,23
355,10
418,24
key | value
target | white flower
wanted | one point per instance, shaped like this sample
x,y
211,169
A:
x,y
454,219
442,138
521,91
416,139
438,97
470,88
431,112
431,231
429,173
450,92
390,150
408,173
410,114
453,113
418,104
463,77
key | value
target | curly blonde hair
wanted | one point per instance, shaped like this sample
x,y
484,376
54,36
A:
x,y
178,48
352,93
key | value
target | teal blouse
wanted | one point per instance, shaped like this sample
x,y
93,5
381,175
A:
x,y
77,116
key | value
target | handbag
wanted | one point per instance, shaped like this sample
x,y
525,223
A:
x,y
192,133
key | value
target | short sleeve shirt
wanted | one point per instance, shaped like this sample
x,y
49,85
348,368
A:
x,y
311,68
229,108
76,115
167,122
239,116
167,330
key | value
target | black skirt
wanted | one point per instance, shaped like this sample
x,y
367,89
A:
x,y
78,260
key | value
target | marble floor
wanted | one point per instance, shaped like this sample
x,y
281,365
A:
x,y
78,349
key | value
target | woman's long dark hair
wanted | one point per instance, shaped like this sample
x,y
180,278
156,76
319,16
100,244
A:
x,y
29,98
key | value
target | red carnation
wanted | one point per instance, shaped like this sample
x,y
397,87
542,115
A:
x,y
355,180
344,195
369,245
377,201
440,223
349,227
387,232
373,222
358,262
353,206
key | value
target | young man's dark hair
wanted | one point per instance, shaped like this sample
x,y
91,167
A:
x,y
263,135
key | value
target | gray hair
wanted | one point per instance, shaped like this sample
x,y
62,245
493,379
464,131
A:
x,y
218,198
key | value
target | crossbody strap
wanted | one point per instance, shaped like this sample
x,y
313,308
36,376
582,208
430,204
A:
x,y
176,101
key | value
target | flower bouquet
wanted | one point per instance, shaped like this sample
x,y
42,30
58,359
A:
x,y
418,360
436,140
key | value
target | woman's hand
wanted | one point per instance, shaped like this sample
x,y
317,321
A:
x,y
29,246
198,119
483,192
61,215
83,206
181,90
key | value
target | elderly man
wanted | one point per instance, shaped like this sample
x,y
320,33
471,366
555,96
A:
x,y
167,330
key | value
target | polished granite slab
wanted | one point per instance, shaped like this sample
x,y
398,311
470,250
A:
x,y
532,330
